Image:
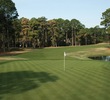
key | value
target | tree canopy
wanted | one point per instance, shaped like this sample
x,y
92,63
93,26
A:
x,y
8,14
106,22
106,18
41,32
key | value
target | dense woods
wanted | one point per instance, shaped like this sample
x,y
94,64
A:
x,y
41,32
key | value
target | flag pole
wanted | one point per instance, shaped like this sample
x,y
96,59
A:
x,y
64,63
64,60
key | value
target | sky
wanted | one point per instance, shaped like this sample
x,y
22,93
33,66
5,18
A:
x,y
88,12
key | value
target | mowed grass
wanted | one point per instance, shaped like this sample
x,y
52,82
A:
x,y
41,76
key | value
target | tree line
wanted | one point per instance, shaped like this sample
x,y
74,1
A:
x,y
41,32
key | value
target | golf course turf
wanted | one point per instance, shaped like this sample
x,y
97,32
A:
x,y
39,75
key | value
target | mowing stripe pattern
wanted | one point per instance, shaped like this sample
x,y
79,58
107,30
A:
x,y
45,79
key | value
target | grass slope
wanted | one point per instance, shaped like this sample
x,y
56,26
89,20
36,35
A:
x,y
41,76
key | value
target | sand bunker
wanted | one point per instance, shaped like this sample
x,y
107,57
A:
x,y
11,58
8,55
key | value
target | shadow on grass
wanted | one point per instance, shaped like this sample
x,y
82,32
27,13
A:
x,y
0,98
22,81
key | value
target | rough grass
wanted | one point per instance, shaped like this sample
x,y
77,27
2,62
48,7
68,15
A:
x,y
41,76
90,53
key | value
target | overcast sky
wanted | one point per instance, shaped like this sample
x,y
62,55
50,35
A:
x,y
88,12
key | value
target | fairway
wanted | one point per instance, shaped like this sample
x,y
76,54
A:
x,y
39,75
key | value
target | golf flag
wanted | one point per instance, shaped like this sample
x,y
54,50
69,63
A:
x,y
64,54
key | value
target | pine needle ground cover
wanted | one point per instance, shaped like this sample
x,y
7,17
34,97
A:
x,y
39,75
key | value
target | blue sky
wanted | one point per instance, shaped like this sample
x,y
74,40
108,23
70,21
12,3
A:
x,y
88,12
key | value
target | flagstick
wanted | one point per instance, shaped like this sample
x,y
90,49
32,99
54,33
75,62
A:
x,y
64,60
64,63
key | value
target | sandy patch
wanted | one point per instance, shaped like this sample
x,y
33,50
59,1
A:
x,y
7,55
15,52
18,52
99,49
91,52
11,58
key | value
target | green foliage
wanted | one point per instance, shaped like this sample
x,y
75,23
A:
x,y
106,22
40,32
8,14
106,18
8,9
